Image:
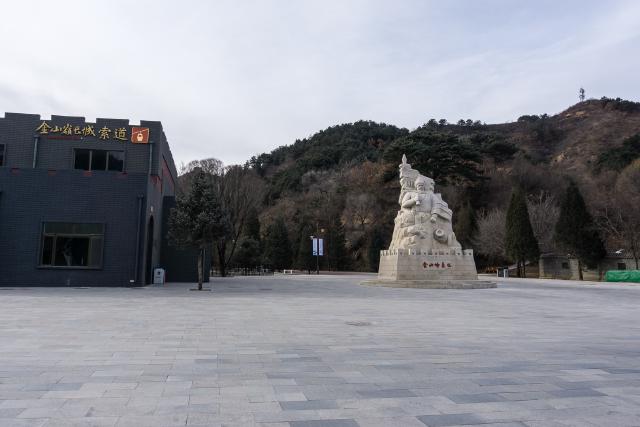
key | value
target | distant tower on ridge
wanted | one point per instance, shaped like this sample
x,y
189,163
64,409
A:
x,y
581,96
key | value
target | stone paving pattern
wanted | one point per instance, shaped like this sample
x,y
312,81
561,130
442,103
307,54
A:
x,y
299,351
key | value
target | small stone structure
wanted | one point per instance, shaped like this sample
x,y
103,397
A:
x,y
424,251
558,266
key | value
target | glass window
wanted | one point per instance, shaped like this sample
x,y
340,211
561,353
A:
x,y
47,250
82,159
72,245
622,266
565,265
98,160
116,161
1,155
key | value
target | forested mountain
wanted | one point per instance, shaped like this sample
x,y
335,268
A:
x,y
342,182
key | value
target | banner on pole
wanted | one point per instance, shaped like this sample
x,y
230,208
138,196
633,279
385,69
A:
x,y
318,247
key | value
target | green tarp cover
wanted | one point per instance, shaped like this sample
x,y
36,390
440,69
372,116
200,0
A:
x,y
622,276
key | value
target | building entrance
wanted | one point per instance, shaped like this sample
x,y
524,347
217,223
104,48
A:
x,y
149,261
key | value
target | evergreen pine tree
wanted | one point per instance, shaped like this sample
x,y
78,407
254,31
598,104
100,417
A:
x,y
277,248
198,219
520,243
464,224
376,244
252,227
335,249
248,253
576,232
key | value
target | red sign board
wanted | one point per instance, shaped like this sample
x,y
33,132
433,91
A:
x,y
140,135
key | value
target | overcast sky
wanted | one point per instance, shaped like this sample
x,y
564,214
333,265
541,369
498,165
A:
x,y
230,79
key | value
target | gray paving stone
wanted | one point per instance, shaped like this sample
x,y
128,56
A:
x,y
450,420
386,393
526,395
309,404
389,422
476,398
539,353
507,424
325,423
10,412
10,422
498,381
581,392
82,422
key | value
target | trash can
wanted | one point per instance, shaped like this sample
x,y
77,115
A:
x,y
158,276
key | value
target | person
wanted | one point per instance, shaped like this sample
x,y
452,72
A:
x,y
424,219
421,200
416,217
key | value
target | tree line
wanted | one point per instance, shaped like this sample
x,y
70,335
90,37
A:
x,y
217,213
342,182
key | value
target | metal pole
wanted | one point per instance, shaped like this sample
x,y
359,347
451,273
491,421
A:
x,y
35,151
135,274
150,157
317,249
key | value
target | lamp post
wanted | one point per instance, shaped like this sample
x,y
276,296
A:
x,y
315,243
314,251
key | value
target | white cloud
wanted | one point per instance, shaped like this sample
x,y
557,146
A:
x,y
233,79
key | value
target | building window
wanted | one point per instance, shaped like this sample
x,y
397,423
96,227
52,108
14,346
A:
x,y
565,265
115,161
82,160
98,160
76,245
1,155
622,266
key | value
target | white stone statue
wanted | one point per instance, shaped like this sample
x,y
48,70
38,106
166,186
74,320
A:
x,y
424,251
424,219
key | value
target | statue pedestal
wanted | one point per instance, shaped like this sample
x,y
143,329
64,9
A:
x,y
435,269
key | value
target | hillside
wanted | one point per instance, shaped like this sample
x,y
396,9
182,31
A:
x,y
347,174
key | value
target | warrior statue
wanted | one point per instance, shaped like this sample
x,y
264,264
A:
x,y
424,251
424,219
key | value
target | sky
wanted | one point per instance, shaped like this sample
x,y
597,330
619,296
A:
x,y
232,79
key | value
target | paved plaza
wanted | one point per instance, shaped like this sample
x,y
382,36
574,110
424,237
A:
x,y
300,351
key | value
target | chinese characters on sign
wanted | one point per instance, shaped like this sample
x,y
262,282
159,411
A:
x,y
436,265
104,133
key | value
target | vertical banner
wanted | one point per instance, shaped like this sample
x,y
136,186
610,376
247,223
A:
x,y
318,247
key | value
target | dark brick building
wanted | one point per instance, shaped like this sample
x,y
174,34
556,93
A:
x,y
82,203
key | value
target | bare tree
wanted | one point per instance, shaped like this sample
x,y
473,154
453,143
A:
x,y
240,190
489,239
543,214
618,215
211,167
361,210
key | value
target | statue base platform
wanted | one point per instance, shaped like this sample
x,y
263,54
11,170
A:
x,y
434,269
432,284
